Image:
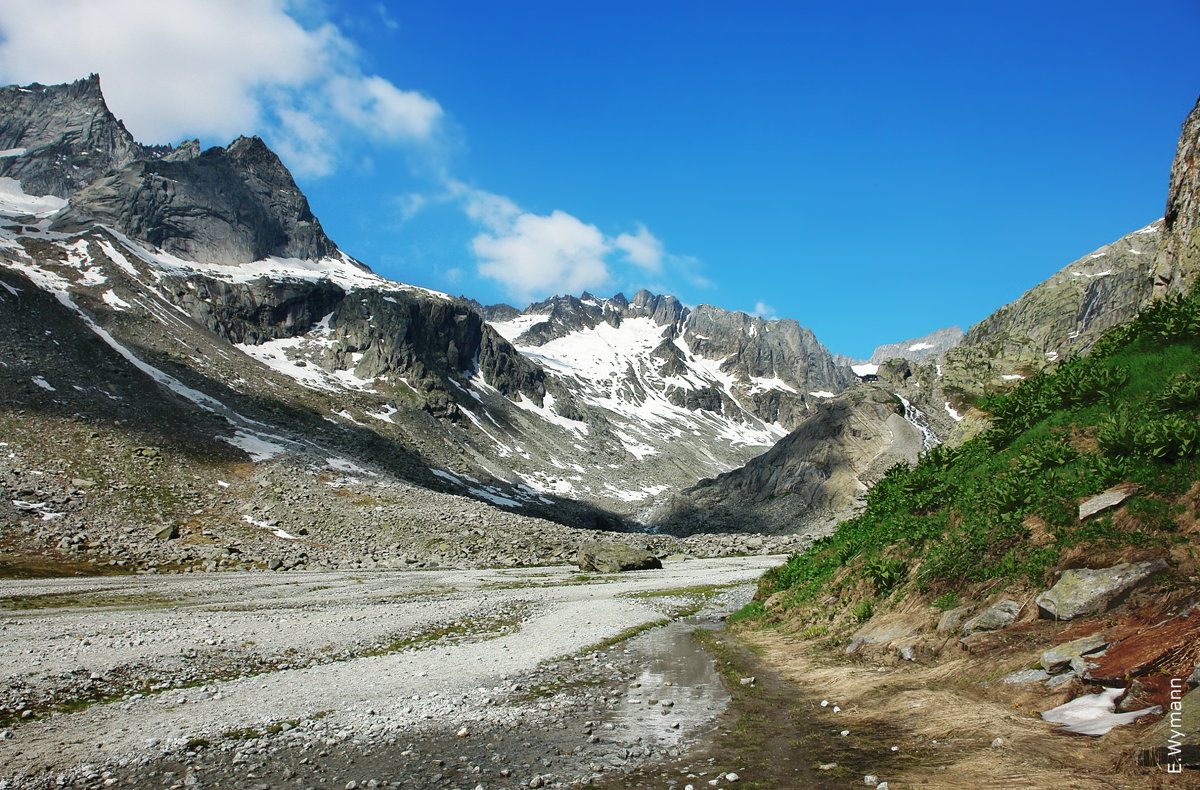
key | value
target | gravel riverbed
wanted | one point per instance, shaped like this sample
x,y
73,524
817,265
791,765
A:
x,y
484,678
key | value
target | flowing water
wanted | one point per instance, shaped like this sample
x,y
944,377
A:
x,y
919,421
678,688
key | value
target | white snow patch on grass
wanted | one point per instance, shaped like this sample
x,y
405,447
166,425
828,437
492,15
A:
x,y
953,414
1094,714
41,382
1012,377
821,394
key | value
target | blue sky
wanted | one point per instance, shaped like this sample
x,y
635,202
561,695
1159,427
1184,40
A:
x,y
874,170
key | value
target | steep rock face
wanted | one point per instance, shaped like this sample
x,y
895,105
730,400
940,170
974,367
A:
x,y
920,348
1058,318
811,478
394,335
226,205
708,359
560,316
257,311
1178,262
59,138
492,312
757,348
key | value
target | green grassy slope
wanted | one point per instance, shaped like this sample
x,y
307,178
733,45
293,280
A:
x,y
1004,506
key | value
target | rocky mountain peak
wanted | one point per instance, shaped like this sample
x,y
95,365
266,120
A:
x,y
934,344
567,314
224,205
188,149
58,138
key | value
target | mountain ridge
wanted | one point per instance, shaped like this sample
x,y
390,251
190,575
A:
x,y
294,355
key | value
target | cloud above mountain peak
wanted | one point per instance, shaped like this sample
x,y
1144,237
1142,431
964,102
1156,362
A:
x,y
220,68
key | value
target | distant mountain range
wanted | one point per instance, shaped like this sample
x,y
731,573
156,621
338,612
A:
x,y
187,305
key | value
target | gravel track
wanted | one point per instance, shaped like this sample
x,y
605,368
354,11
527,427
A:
x,y
210,672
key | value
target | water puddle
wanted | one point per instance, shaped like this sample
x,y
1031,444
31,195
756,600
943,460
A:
x,y
678,688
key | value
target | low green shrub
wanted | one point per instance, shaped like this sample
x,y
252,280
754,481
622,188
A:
x,y
862,611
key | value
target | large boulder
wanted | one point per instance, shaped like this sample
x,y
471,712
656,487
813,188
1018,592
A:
x,y
999,615
952,620
1084,591
1071,654
615,557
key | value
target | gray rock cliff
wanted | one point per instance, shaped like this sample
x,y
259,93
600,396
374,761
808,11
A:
x,y
920,348
809,480
225,205
62,137
1178,262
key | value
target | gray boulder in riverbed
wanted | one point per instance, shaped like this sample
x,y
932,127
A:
x,y
614,557
1084,591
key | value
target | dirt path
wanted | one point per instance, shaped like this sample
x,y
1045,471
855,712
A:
x,y
937,727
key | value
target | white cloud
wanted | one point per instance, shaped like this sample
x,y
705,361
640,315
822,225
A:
x,y
409,205
382,110
536,255
495,212
388,21
541,254
214,68
764,310
642,249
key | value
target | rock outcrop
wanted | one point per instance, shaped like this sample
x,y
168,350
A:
x,y
1178,262
225,206
811,478
1085,591
56,139
999,615
615,558
932,345
1056,319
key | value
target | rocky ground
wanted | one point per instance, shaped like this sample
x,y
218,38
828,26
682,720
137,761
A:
x,y
99,501
440,678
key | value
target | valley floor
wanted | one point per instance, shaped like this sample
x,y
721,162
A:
x,y
493,678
